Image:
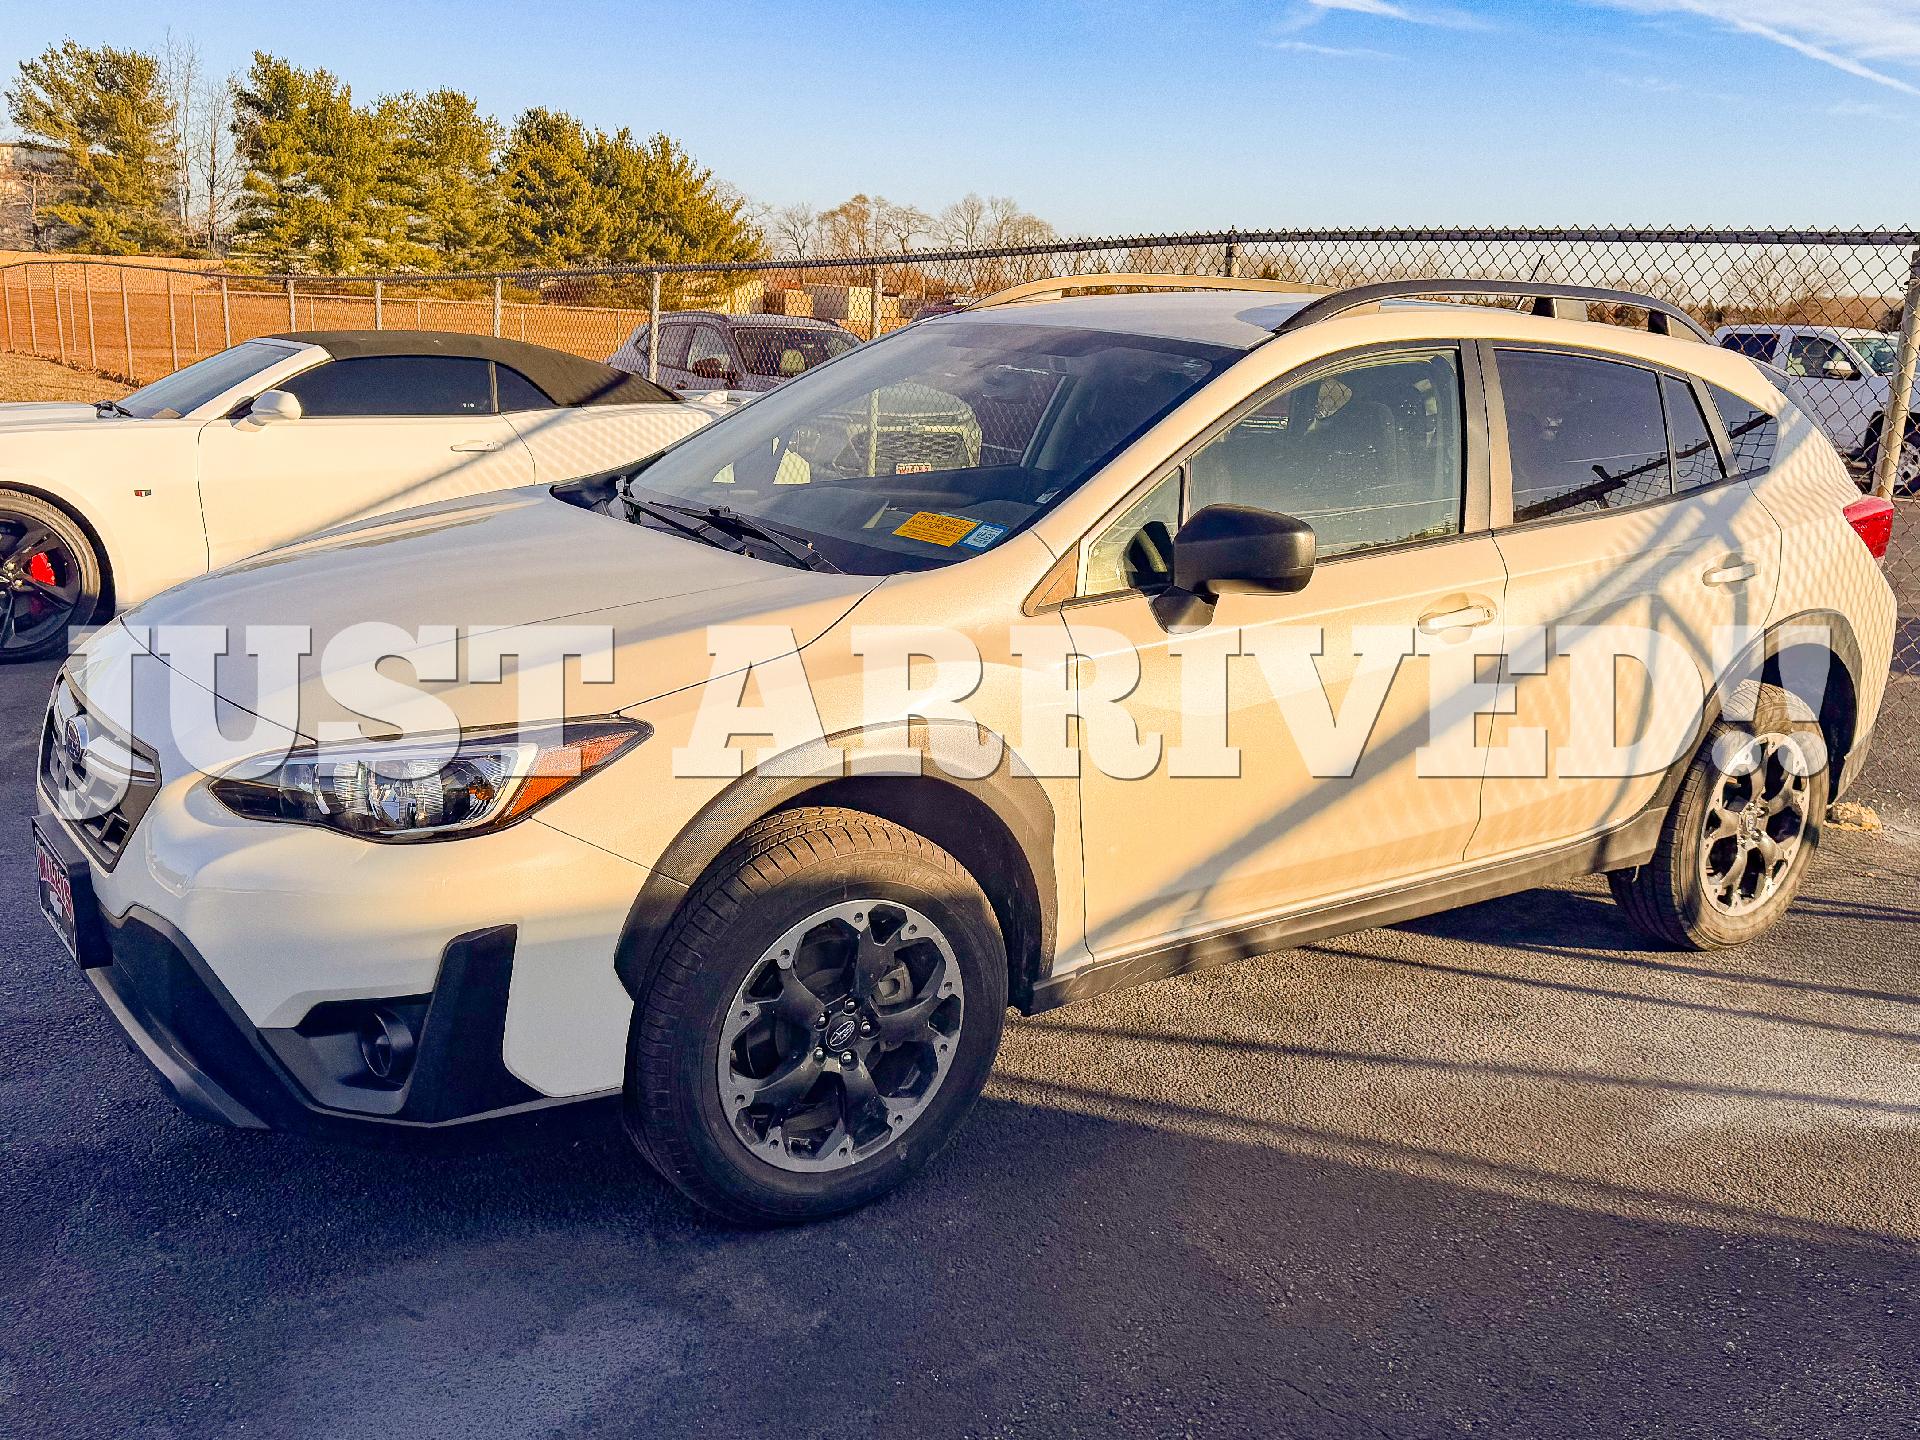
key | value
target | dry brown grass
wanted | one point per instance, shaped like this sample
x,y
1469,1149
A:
x,y
24,378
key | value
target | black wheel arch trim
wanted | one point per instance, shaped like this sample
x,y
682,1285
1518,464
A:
x,y
1005,816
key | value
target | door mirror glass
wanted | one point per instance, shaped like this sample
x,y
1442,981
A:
x,y
1238,547
273,407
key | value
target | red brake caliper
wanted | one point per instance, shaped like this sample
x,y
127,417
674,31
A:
x,y
41,568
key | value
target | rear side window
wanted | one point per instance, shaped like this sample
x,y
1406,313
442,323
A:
x,y
1584,435
1751,432
1696,459
1755,345
395,385
517,392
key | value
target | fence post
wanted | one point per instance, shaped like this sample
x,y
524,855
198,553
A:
x,y
173,325
126,326
293,316
1230,263
93,344
33,318
496,307
653,327
1893,424
6,302
379,294
59,325
873,329
226,312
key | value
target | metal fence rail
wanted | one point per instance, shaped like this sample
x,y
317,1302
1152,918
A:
x,y
1837,311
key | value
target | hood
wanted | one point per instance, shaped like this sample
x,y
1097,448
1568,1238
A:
x,y
478,566
23,416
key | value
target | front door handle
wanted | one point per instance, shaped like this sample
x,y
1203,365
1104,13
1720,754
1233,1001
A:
x,y
1738,574
475,447
1469,617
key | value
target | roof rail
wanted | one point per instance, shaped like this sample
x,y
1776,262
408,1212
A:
x,y
1661,314
1127,280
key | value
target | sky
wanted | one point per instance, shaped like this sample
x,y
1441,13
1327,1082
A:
x,y
1131,116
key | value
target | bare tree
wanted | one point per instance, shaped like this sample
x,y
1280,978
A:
x,y
216,167
180,80
794,230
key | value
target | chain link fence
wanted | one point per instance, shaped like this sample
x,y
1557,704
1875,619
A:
x,y
1834,312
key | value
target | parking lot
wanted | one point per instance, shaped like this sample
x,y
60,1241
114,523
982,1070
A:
x,y
1499,1171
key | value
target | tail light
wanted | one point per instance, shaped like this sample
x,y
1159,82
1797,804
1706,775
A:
x,y
1872,520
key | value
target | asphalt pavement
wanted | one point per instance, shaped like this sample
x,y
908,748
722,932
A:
x,y
1503,1171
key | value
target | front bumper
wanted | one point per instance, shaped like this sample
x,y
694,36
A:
x,y
218,1066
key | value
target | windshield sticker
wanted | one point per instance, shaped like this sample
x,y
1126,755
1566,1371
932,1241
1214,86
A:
x,y
937,529
983,536
913,467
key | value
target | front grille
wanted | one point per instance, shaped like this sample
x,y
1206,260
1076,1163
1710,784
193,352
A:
x,y
99,781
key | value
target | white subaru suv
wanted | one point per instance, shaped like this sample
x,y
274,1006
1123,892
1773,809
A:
x,y
1063,643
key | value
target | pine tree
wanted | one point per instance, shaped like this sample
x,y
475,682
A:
x,y
107,112
548,191
664,208
324,180
448,182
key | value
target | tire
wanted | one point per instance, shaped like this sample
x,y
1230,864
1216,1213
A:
x,y
51,577
1712,882
817,928
1906,480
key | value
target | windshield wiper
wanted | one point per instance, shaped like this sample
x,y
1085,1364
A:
x,y
705,532
750,527
112,407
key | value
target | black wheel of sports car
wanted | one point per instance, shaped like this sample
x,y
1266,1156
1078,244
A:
x,y
50,577
825,1010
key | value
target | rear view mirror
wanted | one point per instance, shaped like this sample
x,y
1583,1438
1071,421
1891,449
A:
x,y
1238,547
272,407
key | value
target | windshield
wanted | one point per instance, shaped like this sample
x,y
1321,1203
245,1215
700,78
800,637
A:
x,y
185,391
936,442
1878,351
781,351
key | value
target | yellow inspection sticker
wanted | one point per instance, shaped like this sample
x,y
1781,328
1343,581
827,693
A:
x,y
937,529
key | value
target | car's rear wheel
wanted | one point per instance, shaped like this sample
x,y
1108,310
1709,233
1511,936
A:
x,y
1741,832
826,1008
50,577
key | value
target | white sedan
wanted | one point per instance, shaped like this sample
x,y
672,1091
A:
x,y
104,505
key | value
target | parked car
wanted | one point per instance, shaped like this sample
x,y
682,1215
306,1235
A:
x,y
1842,378
703,351
794,969
104,505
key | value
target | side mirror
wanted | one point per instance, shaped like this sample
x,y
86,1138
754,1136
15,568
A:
x,y
712,367
1239,547
1839,368
271,407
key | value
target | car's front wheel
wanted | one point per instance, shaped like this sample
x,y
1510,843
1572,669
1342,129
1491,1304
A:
x,y
50,577
1741,831
825,1010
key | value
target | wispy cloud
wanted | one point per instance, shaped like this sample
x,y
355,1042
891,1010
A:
x,y
1866,110
1335,52
1448,19
1868,39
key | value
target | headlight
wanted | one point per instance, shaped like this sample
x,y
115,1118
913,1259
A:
x,y
431,787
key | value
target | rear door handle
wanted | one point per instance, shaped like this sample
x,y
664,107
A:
x,y
1731,574
475,447
1468,618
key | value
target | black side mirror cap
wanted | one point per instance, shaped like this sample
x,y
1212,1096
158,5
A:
x,y
1241,547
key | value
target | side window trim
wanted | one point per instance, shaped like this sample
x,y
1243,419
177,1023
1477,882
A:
x,y
1478,387
1497,416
